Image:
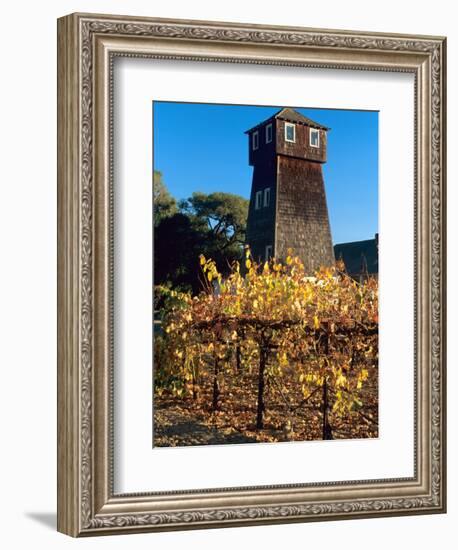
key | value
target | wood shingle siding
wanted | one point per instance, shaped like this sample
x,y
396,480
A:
x,y
297,214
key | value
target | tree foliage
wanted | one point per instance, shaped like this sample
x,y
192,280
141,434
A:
x,y
211,224
223,214
164,205
177,242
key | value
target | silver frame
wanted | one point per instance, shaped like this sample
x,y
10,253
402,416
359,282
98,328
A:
x,y
87,45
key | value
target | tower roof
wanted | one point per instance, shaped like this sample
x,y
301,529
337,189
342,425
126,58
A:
x,y
290,115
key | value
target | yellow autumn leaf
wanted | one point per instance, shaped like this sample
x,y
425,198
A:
x,y
340,380
316,322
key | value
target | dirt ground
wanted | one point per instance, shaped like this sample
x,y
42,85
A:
x,y
173,427
187,421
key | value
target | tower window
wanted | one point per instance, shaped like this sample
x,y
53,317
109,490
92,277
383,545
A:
x,y
290,132
268,133
258,200
268,252
267,196
255,140
314,137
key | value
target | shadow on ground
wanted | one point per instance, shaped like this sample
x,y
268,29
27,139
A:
x,y
49,520
172,430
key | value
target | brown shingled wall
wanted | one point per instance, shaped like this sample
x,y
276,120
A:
x,y
301,148
261,223
302,221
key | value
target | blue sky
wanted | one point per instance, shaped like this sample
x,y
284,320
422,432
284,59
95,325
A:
x,y
203,147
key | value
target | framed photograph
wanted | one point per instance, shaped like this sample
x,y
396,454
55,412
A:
x,y
251,285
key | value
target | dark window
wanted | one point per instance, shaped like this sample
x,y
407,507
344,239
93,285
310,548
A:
x,y
290,132
267,196
314,137
268,133
255,140
258,200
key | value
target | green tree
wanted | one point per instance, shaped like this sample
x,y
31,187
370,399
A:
x,y
176,249
224,216
164,205
210,224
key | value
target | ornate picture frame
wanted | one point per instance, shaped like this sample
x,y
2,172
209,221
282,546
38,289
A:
x,y
87,46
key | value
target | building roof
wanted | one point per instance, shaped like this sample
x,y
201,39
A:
x,y
358,256
290,115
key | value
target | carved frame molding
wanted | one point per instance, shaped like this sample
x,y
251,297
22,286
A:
x,y
87,45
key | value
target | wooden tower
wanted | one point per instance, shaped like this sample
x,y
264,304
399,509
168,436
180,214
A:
x,y
288,202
